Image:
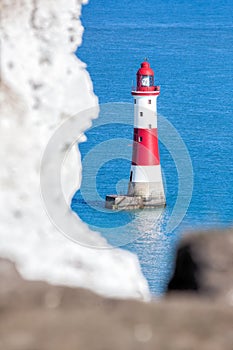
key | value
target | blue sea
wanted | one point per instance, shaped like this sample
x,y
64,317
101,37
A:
x,y
189,44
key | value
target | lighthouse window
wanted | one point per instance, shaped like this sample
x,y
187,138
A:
x,y
150,126
131,176
135,101
147,80
149,102
141,114
140,139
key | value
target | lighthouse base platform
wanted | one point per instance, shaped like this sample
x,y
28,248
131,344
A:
x,y
126,202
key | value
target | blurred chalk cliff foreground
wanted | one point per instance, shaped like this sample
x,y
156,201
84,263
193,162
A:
x,y
43,83
36,315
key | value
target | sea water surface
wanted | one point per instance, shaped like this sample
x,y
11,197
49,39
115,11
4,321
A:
x,y
190,47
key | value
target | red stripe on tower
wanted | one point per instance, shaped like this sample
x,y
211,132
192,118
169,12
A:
x,y
145,147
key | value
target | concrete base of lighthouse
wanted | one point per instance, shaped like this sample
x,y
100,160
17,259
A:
x,y
121,202
133,200
140,195
147,190
125,202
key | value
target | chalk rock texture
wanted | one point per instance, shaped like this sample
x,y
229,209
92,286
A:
x,y
42,85
38,316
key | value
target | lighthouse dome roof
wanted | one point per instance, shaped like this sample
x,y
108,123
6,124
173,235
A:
x,y
145,69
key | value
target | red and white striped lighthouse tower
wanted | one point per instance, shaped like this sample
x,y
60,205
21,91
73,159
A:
x,y
145,176
145,188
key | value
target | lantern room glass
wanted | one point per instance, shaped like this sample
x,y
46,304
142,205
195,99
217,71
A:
x,y
147,80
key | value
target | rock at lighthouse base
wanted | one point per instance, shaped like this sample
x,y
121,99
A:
x,y
125,202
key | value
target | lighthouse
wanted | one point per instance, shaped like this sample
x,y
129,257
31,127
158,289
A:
x,y
145,175
145,188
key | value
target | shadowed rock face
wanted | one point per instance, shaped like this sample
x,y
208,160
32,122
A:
x,y
186,271
204,264
38,316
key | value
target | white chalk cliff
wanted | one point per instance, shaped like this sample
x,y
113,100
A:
x,y
43,83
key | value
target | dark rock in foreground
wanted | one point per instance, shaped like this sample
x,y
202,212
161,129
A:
x,y
204,264
37,316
